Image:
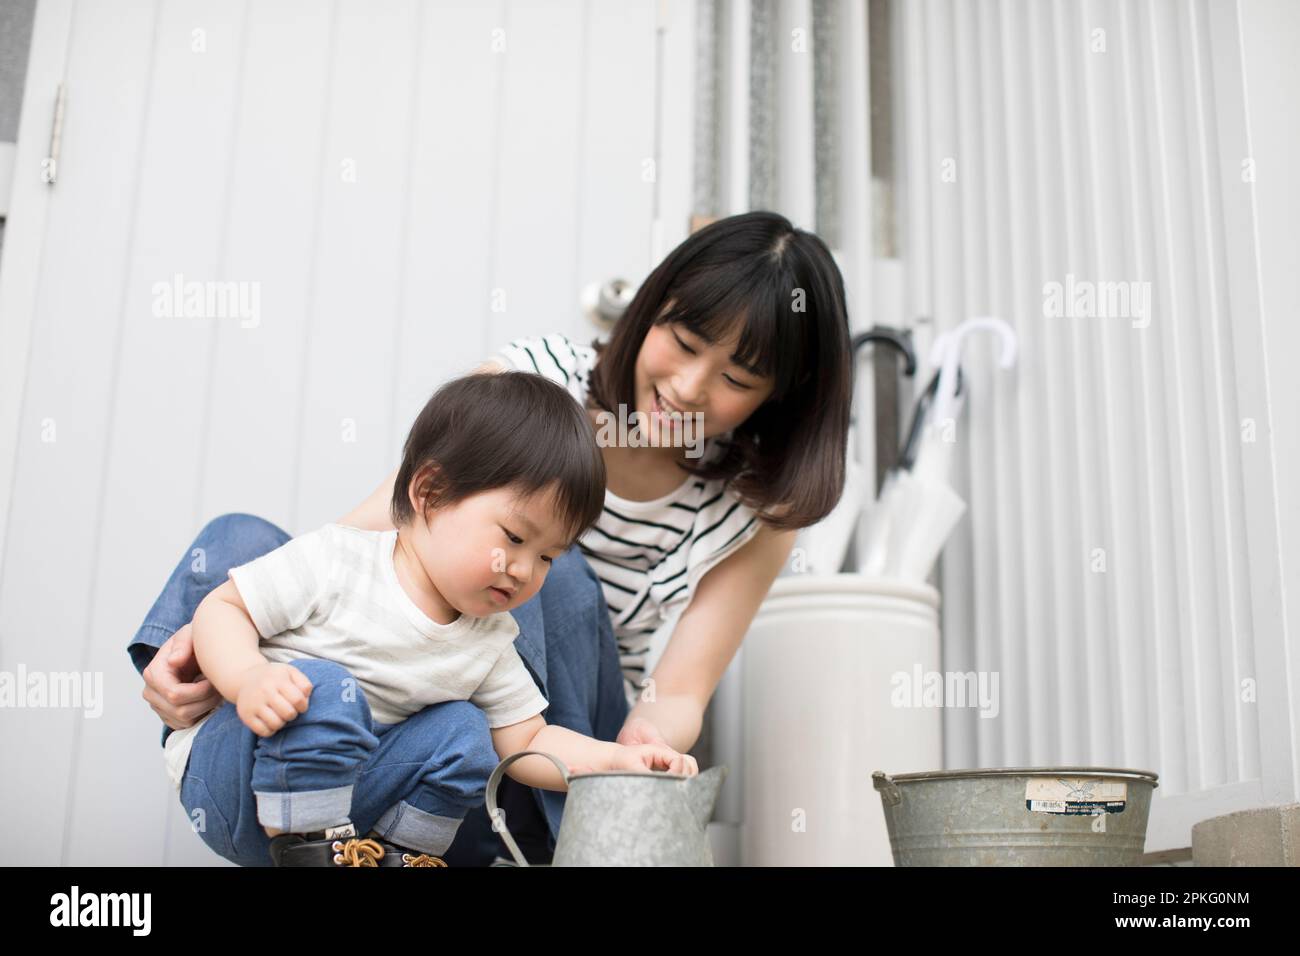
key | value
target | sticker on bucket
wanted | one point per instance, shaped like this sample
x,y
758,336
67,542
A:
x,y
1088,795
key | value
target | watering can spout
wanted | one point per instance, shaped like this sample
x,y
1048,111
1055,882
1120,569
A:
x,y
702,792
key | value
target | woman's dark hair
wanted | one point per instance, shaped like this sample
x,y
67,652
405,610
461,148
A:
x,y
502,429
783,286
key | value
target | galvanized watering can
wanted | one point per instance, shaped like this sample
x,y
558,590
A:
x,y
624,819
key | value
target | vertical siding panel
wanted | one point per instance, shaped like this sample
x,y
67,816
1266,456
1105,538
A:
x,y
55,538
1157,539
1224,561
444,328
1221,43
24,241
996,189
1169,180
346,427
1161,507
397,428
1030,678
538,197
255,377
975,430
1121,669
1062,546
933,172
615,197
1202,539
1074,517
1097,648
190,138
962,645
257,373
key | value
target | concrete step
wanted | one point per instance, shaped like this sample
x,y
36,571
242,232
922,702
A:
x,y
1265,836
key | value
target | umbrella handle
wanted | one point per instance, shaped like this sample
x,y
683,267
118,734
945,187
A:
x,y
884,334
946,353
886,386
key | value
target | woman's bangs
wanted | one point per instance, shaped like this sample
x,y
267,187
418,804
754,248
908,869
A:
x,y
718,309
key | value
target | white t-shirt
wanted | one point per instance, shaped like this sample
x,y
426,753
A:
x,y
649,555
333,594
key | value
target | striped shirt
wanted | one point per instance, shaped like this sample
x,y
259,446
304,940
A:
x,y
648,555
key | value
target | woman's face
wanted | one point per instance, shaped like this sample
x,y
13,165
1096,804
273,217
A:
x,y
677,369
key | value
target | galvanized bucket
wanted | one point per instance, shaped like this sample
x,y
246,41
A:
x,y
1017,816
623,819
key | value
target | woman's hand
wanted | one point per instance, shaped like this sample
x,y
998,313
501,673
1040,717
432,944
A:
x,y
638,730
270,695
170,686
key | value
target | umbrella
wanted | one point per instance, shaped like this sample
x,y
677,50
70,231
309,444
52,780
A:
x,y
918,507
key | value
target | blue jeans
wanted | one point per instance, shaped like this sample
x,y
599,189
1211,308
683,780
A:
x,y
418,783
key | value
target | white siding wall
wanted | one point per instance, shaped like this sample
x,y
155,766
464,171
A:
x,y
519,171
1119,561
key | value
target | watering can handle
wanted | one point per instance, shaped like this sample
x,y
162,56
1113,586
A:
x,y
495,781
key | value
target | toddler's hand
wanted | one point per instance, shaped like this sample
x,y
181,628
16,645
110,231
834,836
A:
x,y
271,695
641,758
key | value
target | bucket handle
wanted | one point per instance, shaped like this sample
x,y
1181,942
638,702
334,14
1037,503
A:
x,y
495,781
889,791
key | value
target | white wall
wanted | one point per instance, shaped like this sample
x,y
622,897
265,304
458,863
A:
x,y
515,172
1130,544
1271,70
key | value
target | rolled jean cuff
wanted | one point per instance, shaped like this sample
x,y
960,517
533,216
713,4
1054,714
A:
x,y
417,829
304,811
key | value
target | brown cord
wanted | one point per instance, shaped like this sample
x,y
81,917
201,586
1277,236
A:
x,y
367,852
421,859
357,852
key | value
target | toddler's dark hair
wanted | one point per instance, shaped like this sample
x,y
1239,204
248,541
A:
x,y
493,430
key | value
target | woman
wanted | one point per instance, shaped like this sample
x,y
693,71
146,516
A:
x,y
742,328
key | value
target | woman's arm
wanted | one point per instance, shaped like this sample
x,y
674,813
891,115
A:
x,y
373,513
705,640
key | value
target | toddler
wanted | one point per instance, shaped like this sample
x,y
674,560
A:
x,y
326,643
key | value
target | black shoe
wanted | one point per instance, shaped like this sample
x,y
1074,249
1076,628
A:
x,y
336,846
397,855
340,846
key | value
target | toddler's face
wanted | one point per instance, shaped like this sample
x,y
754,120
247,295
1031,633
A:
x,y
491,551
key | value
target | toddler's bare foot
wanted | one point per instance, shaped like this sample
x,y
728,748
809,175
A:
x,y
272,831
